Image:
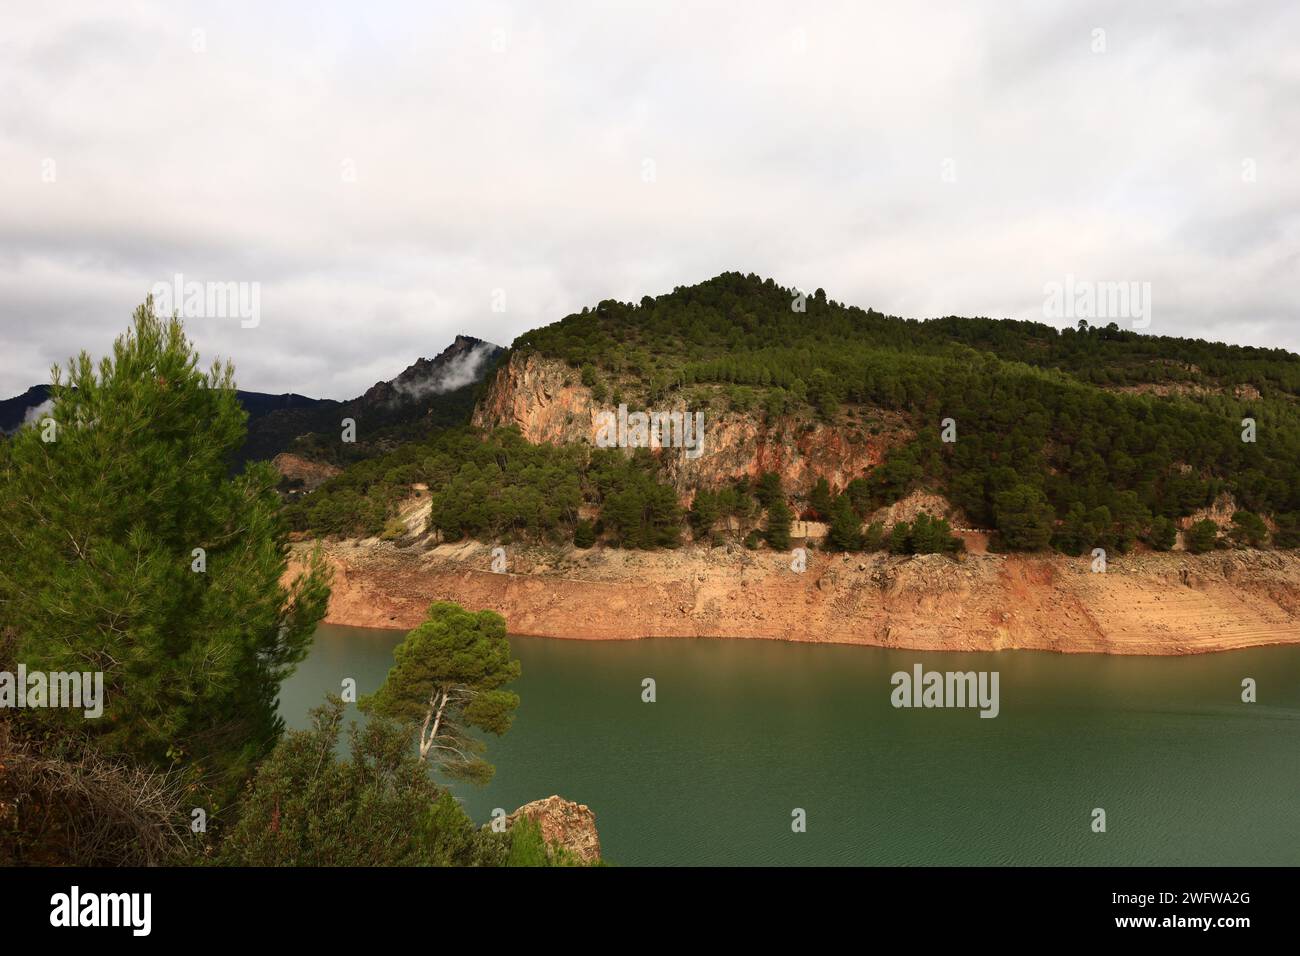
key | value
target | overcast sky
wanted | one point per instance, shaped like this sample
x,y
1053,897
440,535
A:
x,y
388,173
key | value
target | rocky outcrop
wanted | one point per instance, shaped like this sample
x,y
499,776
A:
x,y
569,825
311,474
459,364
543,397
546,400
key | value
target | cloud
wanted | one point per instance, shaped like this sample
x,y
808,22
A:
x,y
37,412
390,174
455,372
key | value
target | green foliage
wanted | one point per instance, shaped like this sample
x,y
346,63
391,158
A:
x,y
931,535
1031,401
637,509
769,490
584,534
1288,530
498,487
1024,517
779,517
448,680
1163,534
379,807
900,538
844,533
97,567
1248,530
819,499
529,848
1202,536
705,512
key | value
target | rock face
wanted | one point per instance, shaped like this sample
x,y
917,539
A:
x,y
547,401
543,397
1143,604
563,823
312,474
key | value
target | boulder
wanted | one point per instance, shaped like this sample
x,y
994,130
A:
x,y
563,823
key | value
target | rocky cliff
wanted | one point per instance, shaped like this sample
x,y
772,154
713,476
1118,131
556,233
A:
x,y
547,401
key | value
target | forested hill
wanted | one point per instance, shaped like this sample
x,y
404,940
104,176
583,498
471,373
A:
x,y
1073,438
752,322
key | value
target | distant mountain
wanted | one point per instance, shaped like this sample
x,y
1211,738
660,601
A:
x,y
431,393
14,411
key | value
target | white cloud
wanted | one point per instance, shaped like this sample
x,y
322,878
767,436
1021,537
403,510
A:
x,y
502,147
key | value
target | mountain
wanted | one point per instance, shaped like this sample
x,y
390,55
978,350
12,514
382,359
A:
x,y
1079,427
14,411
1073,438
429,394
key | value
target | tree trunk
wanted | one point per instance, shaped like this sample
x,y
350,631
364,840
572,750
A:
x,y
435,715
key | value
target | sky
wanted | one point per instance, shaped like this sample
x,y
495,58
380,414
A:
x,y
378,177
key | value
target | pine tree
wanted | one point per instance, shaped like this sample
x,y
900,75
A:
x,y
778,525
448,680
1202,536
819,499
1248,530
126,549
1163,533
900,538
1024,517
845,532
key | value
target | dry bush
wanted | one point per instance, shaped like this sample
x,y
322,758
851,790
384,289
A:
x,y
65,803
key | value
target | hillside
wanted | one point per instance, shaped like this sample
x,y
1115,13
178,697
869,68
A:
x,y
1073,439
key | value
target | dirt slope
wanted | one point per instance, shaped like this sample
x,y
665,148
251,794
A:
x,y
1143,604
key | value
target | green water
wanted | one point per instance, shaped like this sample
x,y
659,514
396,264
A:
x,y
743,732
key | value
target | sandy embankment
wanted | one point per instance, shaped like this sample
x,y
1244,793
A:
x,y
1143,604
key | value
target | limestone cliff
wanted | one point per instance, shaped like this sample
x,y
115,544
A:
x,y
547,401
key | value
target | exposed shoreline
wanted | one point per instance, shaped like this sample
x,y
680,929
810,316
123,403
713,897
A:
x,y
1155,604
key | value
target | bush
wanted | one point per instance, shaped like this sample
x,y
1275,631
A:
x,y
1202,536
376,807
1163,533
1248,530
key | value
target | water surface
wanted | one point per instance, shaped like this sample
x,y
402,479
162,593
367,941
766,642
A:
x,y
745,731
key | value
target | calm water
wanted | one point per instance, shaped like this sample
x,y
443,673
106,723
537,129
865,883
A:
x,y
745,731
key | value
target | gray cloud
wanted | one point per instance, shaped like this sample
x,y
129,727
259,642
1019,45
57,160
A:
x,y
502,150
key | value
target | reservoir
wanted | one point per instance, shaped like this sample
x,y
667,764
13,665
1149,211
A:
x,y
742,733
